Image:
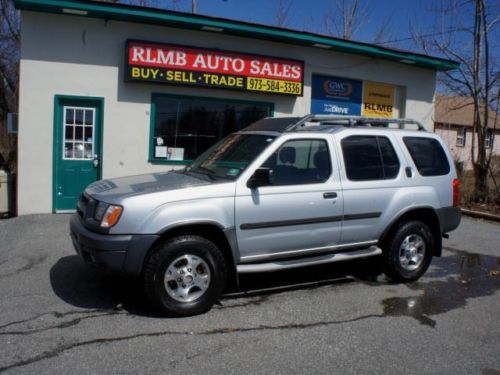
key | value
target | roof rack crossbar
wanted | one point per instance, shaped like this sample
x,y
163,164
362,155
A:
x,y
351,121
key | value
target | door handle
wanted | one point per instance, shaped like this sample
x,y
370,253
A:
x,y
409,172
330,195
96,161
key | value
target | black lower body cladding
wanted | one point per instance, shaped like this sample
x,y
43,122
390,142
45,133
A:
x,y
449,218
119,253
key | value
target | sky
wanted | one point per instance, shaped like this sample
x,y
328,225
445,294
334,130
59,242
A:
x,y
309,15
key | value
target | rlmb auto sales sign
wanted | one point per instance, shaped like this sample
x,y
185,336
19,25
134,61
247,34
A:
x,y
172,64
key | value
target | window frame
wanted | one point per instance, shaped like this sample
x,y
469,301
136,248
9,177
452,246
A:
x,y
461,140
442,150
488,139
74,125
376,136
328,148
152,114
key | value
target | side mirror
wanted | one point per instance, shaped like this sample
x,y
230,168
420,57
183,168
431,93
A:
x,y
261,177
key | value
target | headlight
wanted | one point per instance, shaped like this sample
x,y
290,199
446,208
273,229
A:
x,y
111,216
100,210
107,214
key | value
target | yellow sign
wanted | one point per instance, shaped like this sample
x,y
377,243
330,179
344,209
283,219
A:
x,y
274,85
378,100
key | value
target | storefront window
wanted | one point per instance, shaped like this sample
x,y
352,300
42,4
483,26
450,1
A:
x,y
184,127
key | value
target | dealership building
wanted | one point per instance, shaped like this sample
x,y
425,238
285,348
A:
x,y
108,90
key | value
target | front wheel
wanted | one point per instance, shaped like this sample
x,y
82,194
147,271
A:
x,y
185,275
408,252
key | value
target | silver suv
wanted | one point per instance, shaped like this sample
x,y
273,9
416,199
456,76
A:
x,y
282,193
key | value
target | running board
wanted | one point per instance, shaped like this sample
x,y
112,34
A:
x,y
310,261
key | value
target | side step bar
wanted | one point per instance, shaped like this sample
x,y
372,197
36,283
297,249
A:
x,y
310,261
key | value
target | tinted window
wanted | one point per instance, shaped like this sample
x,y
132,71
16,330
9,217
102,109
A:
x,y
304,161
369,158
428,156
184,127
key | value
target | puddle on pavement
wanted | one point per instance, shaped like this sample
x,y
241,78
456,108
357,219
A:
x,y
447,285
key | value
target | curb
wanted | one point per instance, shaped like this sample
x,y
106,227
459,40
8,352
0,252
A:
x,y
481,215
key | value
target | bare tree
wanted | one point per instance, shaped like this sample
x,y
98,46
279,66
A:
x,y
477,78
9,80
283,12
346,17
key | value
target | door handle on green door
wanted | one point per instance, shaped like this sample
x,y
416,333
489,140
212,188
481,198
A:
x,y
96,161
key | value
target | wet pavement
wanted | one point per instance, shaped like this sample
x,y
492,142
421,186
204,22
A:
x,y
57,315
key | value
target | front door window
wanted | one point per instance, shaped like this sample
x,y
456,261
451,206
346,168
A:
x,y
78,133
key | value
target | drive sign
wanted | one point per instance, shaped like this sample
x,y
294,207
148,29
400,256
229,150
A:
x,y
336,95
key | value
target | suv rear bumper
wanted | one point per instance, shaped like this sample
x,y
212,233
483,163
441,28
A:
x,y
449,218
119,253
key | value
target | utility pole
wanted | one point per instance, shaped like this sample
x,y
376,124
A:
x,y
194,6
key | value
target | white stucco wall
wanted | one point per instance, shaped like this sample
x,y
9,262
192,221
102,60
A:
x,y
71,55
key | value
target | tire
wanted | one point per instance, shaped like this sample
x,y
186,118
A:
x,y
185,276
408,252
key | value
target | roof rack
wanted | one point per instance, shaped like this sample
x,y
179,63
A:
x,y
351,121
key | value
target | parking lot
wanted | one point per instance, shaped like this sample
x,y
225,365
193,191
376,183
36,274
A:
x,y
59,316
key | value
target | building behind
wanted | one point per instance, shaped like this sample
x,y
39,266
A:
x,y
453,121
109,90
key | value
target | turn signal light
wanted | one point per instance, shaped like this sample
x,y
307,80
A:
x,y
456,192
111,216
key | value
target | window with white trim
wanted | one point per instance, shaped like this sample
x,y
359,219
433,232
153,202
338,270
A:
x,y
78,133
461,137
488,140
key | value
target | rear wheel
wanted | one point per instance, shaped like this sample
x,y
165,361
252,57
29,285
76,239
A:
x,y
185,275
408,252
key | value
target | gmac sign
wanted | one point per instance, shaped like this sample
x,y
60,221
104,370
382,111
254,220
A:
x,y
190,66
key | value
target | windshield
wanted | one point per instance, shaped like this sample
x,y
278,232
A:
x,y
229,157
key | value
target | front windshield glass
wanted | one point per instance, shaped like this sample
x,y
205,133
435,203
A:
x,y
229,158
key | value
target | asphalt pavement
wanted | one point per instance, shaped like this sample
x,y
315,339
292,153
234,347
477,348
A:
x,y
58,316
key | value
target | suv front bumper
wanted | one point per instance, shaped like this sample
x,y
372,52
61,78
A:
x,y
123,253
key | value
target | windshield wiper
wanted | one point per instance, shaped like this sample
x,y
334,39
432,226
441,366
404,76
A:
x,y
204,171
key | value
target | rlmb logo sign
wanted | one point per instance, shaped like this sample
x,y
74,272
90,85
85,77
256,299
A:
x,y
191,66
336,95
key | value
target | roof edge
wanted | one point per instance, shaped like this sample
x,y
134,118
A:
x,y
130,13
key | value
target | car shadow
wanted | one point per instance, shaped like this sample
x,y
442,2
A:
x,y
85,287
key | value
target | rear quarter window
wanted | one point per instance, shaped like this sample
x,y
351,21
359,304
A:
x,y
428,156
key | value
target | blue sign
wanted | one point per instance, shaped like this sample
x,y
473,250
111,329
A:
x,y
336,96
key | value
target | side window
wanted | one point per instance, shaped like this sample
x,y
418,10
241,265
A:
x,y
303,161
369,158
428,156
461,137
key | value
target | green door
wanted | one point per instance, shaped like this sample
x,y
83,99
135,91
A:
x,y
77,149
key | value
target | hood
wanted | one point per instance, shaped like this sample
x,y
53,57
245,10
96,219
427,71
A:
x,y
108,190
